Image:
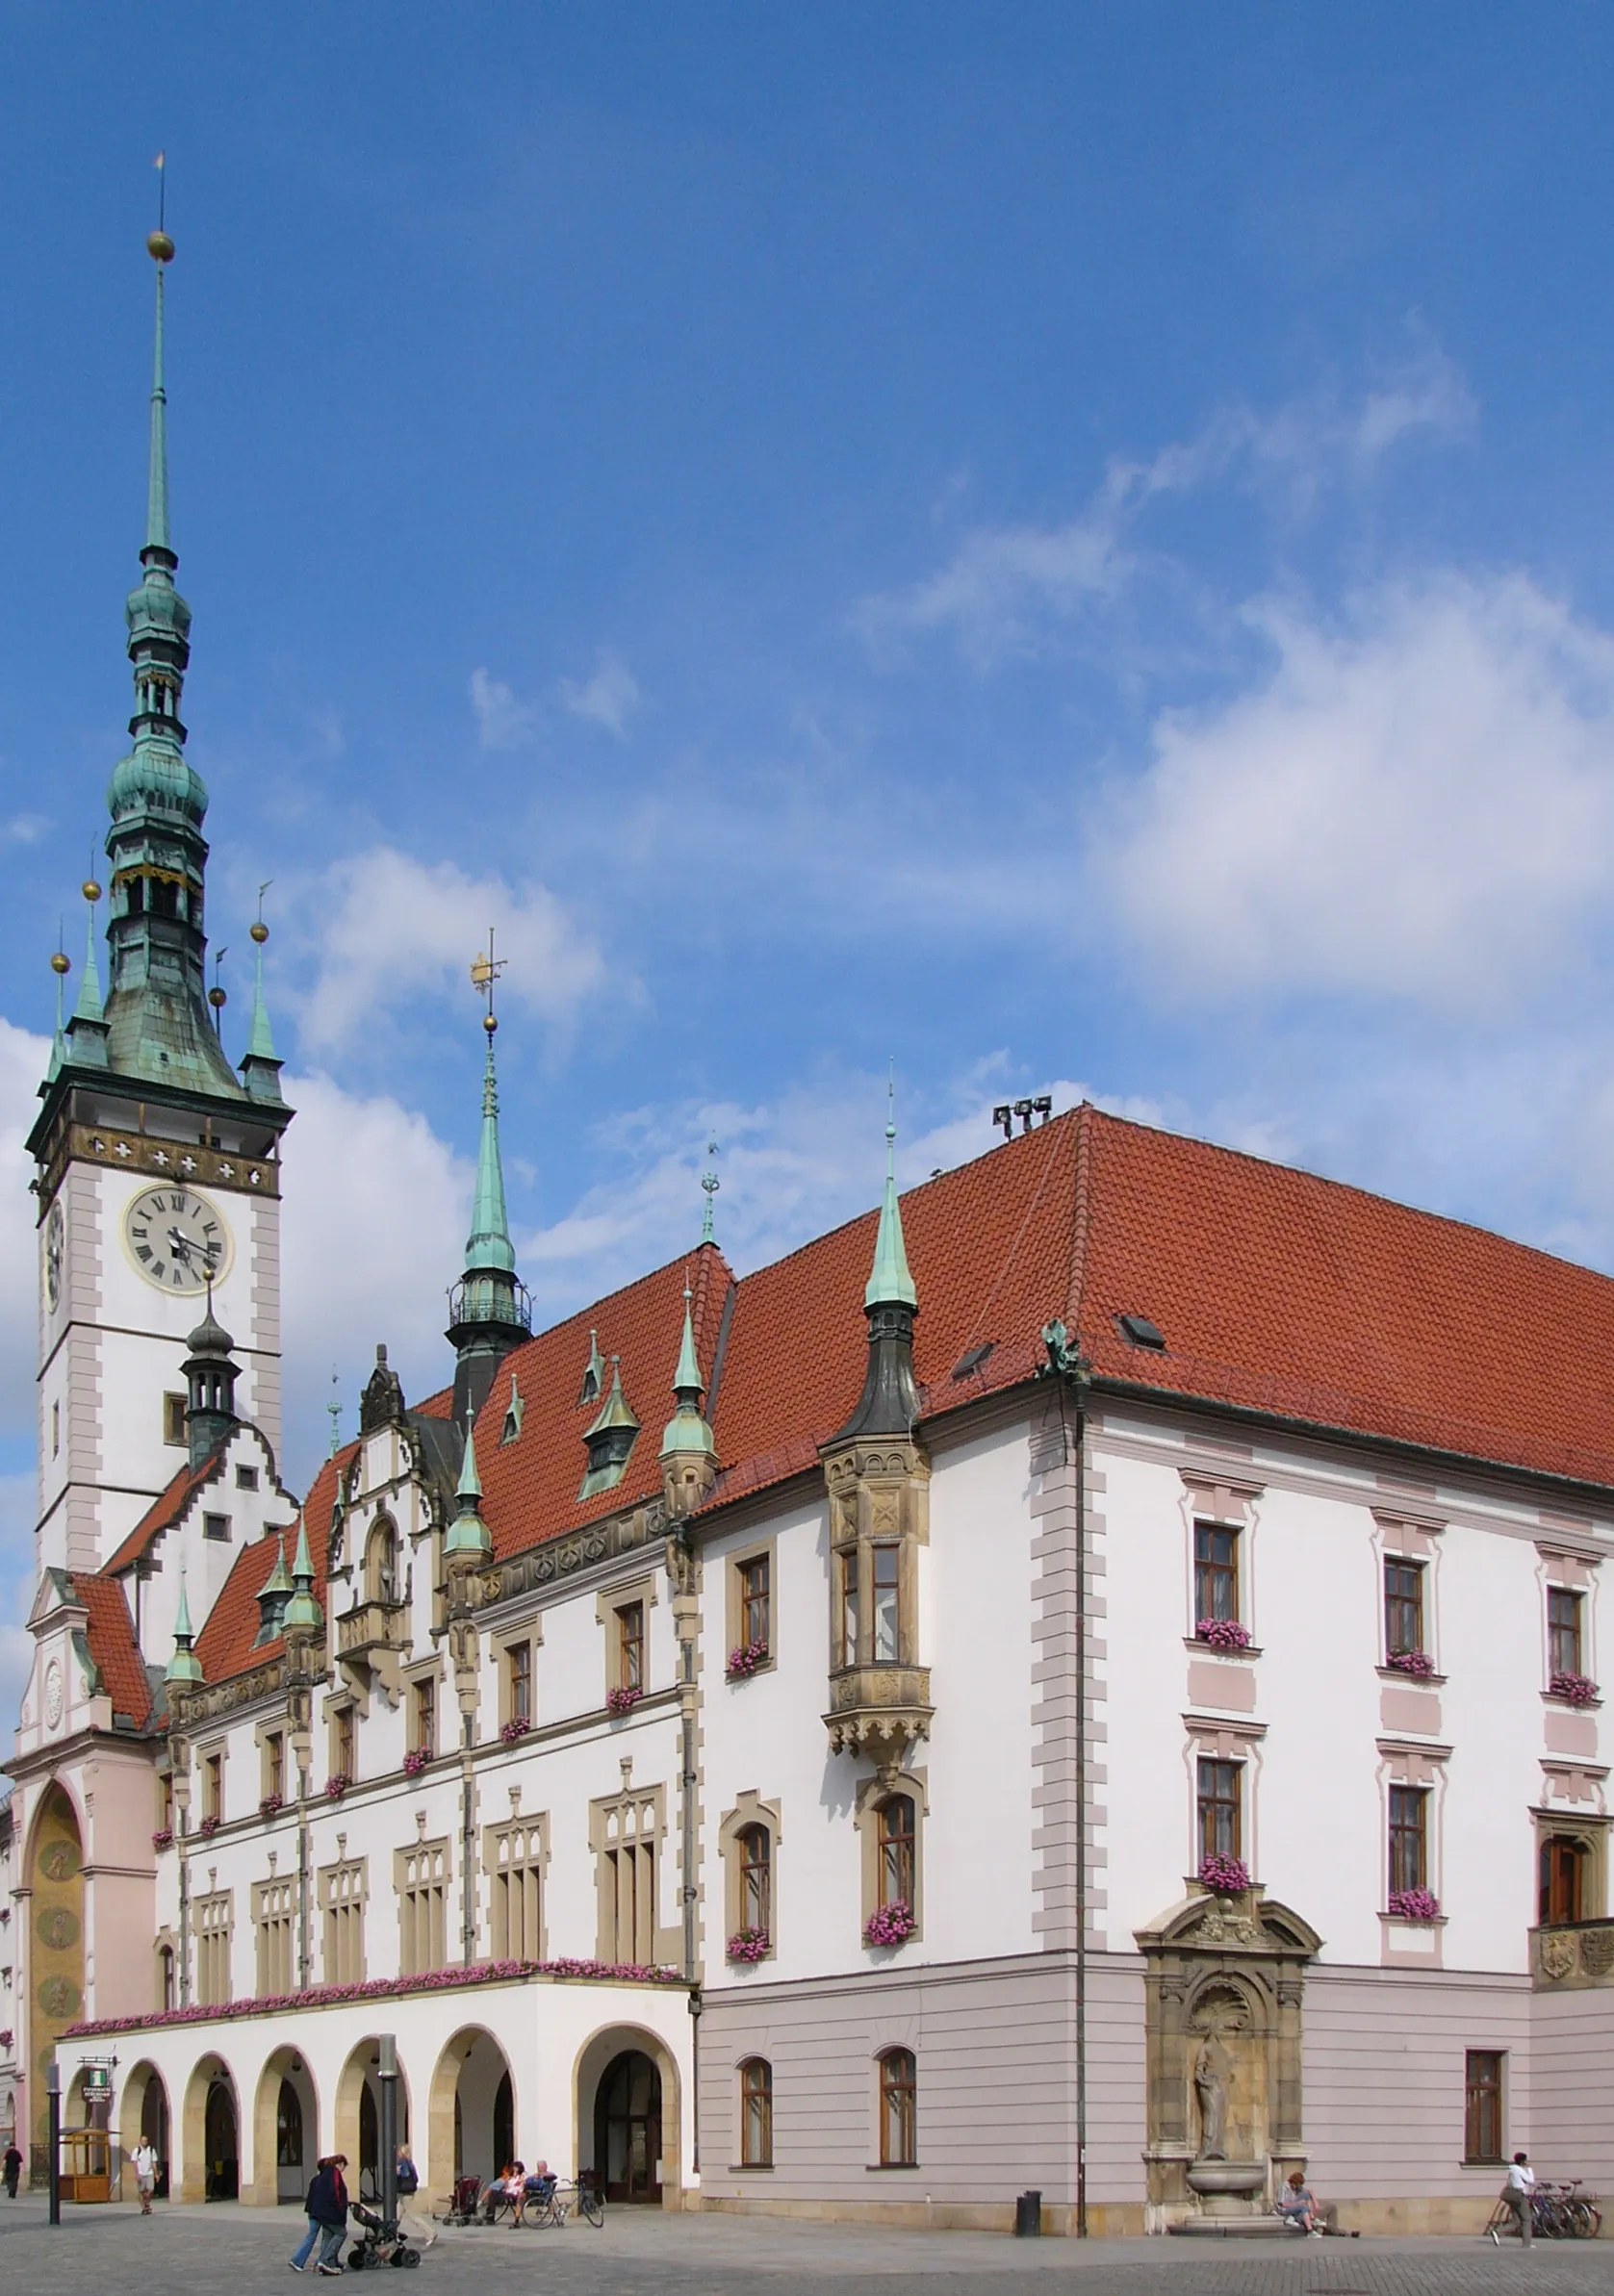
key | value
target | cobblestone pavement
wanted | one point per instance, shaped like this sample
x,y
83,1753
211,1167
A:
x,y
184,2251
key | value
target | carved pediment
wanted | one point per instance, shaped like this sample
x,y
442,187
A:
x,y
1249,1922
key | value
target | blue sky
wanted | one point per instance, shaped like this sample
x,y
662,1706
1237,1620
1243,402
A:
x,y
1064,545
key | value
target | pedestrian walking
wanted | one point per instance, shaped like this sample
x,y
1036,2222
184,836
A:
x,y
14,2169
326,2209
1519,2194
145,2173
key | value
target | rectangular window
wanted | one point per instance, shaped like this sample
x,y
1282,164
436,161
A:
x,y
213,1948
895,1881
423,1911
1409,1838
166,1800
342,1902
846,1607
275,1764
1482,2105
757,1878
425,1718
213,1787
898,2114
628,1835
1563,1881
888,1632
515,1859
344,1744
1403,1608
174,1428
518,1657
215,1527
756,2113
275,1912
1563,1631
1216,1571
630,1646
247,1478
754,1623
1221,1810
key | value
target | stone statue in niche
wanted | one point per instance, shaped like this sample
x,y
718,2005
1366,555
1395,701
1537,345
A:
x,y
1212,2080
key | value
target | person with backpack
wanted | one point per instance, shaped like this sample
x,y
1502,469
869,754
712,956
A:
x,y
326,2209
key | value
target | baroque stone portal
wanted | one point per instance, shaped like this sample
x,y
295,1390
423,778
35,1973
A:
x,y
1224,1987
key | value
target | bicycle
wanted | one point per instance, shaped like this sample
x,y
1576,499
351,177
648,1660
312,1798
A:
x,y
550,2210
1557,2212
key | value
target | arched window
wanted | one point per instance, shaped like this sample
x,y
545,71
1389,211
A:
x,y
1563,1880
894,1882
757,1878
381,1564
898,2109
756,2113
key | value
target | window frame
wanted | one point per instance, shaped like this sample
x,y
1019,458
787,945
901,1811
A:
x,y
1573,1600
1398,1603
896,1850
1210,1806
518,1688
423,1690
755,1872
213,1783
740,1607
1407,1823
871,1794
176,1432
342,1719
1482,2095
1217,1579
609,1605
756,2113
897,2092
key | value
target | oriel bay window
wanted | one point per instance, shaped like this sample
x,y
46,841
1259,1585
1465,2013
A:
x,y
1403,1608
1216,1571
1565,1640
1219,1810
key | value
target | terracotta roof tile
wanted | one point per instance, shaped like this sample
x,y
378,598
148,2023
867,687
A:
x,y
164,1512
225,1644
112,1646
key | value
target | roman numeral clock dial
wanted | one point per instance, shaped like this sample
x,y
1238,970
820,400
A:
x,y
177,1238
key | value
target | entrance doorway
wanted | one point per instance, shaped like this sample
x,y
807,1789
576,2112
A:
x,y
223,2151
627,2128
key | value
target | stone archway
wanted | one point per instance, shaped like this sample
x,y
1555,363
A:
x,y
358,2115
463,2122
628,2113
143,2113
1224,1987
285,2130
210,2159
55,1872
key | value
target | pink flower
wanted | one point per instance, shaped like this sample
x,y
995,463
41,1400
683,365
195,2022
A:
x,y
337,1785
1413,1905
1222,1634
270,1803
1412,1662
892,1924
744,1660
1576,1690
207,1826
163,1838
622,1700
516,1727
1228,1877
414,1762
749,1944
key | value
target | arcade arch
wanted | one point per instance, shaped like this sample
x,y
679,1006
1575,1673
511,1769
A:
x,y
358,2115
629,2114
212,2149
472,2109
285,2129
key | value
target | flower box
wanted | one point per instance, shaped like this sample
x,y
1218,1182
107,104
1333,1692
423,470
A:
x,y
1222,1634
892,1924
749,1944
1576,1690
744,1660
414,1762
271,1804
1416,1662
162,1838
1413,1905
516,1727
7,2039
337,1785
207,1827
624,1701
1227,1877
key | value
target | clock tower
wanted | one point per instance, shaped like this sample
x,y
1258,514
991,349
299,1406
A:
x,y
158,1164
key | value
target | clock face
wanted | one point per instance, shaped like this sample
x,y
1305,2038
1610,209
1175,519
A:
x,y
177,1239
56,1239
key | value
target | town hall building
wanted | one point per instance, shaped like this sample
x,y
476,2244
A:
x,y
1085,1678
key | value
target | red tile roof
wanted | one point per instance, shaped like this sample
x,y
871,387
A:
x,y
1277,1291
164,1512
224,1644
111,1633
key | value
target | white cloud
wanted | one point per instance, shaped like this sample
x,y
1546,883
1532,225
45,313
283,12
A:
x,y
1419,805
393,928
23,829
608,698
503,722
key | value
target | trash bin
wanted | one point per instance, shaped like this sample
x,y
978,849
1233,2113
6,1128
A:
x,y
1028,2216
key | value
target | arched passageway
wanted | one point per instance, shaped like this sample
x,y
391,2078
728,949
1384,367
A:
x,y
473,2110
285,2129
627,2116
142,2117
358,2116
212,2156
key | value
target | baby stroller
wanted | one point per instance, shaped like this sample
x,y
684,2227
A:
x,y
462,2207
381,2244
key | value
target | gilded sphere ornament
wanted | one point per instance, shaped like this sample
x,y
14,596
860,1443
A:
x,y
90,890
489,1023
60,963
259,931
160,247
218,998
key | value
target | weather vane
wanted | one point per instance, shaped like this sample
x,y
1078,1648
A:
x,y
712,1183
334,1407
484,975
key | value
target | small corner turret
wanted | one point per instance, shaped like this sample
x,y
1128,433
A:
x,y
210,1372
688,1452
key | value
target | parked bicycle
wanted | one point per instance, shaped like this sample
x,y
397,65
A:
x,y
1557,2212
552,2208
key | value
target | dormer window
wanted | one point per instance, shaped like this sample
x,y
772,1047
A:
x,y
512,1414
609,1440
593,1374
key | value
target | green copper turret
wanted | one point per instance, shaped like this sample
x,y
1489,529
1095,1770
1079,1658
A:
x,y
889,1403
184,1667
156,1014
489,1311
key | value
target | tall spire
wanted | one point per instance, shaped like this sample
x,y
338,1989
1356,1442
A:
x,y
160,249
468,1539
302,1615
686,1430
487,1310
890,1281
261,1068
184,1666
60,964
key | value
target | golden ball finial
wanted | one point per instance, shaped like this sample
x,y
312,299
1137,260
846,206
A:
x,y
160,247
90,890
489,1023
60,963
259,931
218,998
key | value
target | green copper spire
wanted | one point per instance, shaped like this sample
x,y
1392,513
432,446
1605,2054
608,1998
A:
x,y
161,248
890,1285
273,1596
261,1068
489,1311
88,1006
302,1615
60,964
468,1539
488,1249
609,1440
686,1430
184,1666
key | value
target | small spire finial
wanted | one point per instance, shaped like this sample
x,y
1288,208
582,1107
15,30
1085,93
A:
x,y
712,1183
890,1282
218,996
484,976
334,1407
